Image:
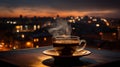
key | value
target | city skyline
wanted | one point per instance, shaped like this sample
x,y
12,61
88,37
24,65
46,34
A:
x,y
30,8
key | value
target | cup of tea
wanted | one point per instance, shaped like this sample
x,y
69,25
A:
x,y
67,45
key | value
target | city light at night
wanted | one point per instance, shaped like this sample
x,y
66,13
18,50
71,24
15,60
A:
x,y
59,33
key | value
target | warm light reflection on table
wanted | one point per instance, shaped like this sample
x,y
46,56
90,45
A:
x,y
35,57
39,63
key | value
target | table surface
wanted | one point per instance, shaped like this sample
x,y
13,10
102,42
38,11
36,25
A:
x,y
33,57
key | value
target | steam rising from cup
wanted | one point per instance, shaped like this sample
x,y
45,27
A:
x,y
60,28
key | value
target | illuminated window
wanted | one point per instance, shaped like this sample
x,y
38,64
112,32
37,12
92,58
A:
x,y
73,21
100,33
54,18
45,38
72,17
81,17
36,40
70,21
35,27
26,27
37,46
17,31
97,25
29,44
38,26
11,22
94,19
14,22
23,36
17,27
113,34
89,21
14,47
73,28
90,17
8,22
78,19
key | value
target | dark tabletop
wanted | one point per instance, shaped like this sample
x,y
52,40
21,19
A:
x,y
34,57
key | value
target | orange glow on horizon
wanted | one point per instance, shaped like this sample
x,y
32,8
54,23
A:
x,y
30,12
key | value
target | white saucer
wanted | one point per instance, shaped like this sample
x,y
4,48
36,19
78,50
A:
x,y
52,52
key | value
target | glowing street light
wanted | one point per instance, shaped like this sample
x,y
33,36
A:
x,y
97,25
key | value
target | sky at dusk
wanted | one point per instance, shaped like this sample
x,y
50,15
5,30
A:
x,y
103,8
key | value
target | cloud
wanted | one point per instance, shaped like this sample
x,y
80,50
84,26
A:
x,y
52,7
63,4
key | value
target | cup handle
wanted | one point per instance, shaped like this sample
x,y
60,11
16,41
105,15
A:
x,y
84,45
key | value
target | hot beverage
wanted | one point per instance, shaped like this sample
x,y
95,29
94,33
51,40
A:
x,y
67,45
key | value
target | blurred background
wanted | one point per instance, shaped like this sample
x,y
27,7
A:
x,y
25,23
32,32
